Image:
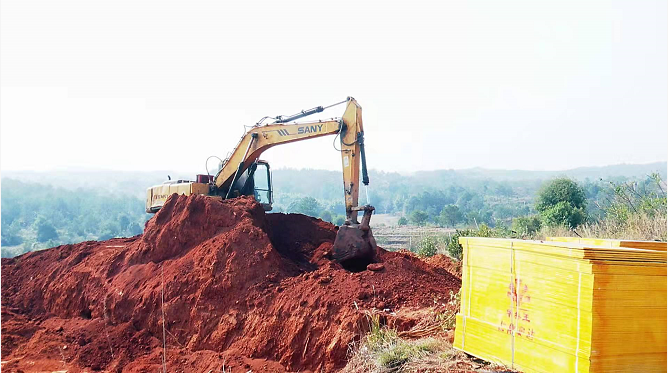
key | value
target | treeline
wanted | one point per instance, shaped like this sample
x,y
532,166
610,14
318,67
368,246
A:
x,y
633,209
464,202
36,216
441,198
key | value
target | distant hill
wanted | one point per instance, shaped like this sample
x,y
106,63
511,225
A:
x,y
327,184
580,173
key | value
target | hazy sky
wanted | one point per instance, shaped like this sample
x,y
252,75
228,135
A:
x,y
154,85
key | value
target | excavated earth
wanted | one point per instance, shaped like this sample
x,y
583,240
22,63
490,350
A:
x,y
216,285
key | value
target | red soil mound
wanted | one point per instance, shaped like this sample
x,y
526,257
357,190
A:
x,y
443,261
240,288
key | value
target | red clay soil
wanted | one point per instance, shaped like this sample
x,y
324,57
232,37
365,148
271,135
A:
x,y
237,289
443,261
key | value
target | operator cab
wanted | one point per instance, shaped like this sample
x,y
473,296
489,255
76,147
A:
x,y
256,182
262,187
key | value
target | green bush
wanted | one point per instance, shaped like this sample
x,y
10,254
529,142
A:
x,y
419,217
402,221
326,216
526,225
427,247
561,202
339,220
45,230
563,214
454,249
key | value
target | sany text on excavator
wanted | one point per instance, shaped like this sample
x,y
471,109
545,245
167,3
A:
x,y
243,173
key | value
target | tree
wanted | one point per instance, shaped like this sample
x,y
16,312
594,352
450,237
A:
x,y
109,229
402,221
305,205
10,239
419,217
339,220
563,214
11,233
561,202
123,222
450,216
45,230
526,225
326,216
134,228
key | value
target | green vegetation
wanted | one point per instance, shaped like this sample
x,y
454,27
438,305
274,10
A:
x,y
382,350
526,226
310,206
419,218
450,216
473,202
624,210
427,246
561,202
36,216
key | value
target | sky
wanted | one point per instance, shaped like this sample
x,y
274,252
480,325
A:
x,y
162,85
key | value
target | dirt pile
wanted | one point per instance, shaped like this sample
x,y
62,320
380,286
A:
x,y
234,286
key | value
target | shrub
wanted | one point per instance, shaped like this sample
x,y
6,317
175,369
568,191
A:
x,y
526,225
563,214
561,202
339,220
454,249
326,216
419,217
402,221
427,247
45,230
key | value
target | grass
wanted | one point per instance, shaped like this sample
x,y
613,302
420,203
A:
x,y
446,317
636,227
423,348
382,350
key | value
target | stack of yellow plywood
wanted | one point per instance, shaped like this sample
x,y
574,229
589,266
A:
x,y
650,245
555,306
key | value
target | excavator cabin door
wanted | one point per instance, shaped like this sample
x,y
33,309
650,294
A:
x,y
263,189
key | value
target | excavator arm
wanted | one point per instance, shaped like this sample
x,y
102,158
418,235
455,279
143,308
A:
x,y
260,138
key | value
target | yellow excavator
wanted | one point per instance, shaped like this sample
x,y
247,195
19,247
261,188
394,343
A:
x,y
243,173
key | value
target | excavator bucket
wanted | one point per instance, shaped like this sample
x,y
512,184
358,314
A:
x,y
354,245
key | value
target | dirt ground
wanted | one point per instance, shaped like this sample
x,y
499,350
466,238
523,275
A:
x,y
215,286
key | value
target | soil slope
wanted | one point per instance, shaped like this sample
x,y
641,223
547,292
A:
x,y
235,287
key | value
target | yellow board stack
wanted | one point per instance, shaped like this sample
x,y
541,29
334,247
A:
x,y
561,306
650,245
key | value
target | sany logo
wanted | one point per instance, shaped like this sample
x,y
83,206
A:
x,y
309,129
300,130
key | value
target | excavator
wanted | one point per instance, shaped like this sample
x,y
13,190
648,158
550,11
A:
x,y
242,173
